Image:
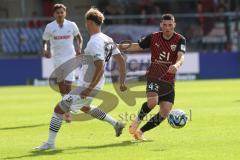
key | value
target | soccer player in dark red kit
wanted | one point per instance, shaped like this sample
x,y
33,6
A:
x,y
167,55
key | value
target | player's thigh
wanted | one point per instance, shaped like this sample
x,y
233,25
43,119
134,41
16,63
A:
x,y
63,72
152,93
74,103
70,77
166,102
65,87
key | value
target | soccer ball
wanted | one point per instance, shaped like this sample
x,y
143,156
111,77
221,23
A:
x,y
177,118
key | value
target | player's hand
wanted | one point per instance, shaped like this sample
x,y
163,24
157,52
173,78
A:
x,y
123,87
85,93
172,69
47,54
78,51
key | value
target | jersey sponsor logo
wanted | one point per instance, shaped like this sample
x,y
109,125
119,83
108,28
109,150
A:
x,y
183,47
161,62
173,47
157,45
61,37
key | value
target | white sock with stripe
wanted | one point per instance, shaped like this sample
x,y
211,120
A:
x,y
55,125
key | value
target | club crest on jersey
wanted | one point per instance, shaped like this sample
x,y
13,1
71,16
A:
x,y
173,47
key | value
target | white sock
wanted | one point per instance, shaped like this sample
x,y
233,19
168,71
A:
x,y
52,137
55,125
100,114
110,120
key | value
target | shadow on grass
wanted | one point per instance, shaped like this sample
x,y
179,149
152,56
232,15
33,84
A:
x,y
122,144
23,127
236,101
37,153
158,150
54,152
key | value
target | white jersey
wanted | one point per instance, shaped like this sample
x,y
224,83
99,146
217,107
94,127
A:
x,y
61,40
95,48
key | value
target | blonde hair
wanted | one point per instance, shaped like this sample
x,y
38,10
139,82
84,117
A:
x,y
95,15
59,5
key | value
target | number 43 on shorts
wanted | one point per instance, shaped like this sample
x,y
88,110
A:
x,y
153,87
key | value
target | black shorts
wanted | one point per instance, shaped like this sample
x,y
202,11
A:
x,y
165,91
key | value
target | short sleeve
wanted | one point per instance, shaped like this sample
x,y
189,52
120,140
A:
x,y
182,45
47,33
145,42
116,51
75,29
96,50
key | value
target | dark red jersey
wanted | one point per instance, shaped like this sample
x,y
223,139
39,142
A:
x,y
163,54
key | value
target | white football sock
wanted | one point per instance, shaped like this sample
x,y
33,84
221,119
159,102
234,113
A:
x,y
100,114
55,125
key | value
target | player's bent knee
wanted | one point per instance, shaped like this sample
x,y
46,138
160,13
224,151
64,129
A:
x,y
151,103
58,110
85,109
165,110
164,114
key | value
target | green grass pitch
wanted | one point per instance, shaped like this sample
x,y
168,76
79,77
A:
x,y
213,133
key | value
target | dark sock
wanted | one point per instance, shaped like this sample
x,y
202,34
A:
x,y
144,111
152,123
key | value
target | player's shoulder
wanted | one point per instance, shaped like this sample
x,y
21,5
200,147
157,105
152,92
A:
x,y
156,33
94,41
101,37
180,36
70,23
51,24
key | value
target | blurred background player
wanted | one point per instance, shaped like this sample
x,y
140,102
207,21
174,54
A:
x,y
81,97
167,48
61,34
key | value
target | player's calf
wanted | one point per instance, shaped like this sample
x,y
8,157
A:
x,y
55,125
142,113
165,108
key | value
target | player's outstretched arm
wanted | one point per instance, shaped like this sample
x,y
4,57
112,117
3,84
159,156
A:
x,y
121,69
131,47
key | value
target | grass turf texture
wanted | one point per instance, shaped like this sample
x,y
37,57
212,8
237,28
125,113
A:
x,y
212,134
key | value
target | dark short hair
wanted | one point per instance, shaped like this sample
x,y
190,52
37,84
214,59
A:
x,y
167,17
59,5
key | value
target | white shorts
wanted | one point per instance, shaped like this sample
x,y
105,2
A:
x,y
62,73
73,102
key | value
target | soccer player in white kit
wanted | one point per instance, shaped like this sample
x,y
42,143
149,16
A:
x,y
61,34
81,98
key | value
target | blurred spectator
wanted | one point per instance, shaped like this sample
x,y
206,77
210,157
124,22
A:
x,y
109,10
34,23
47,6
155,11
112,8
205,6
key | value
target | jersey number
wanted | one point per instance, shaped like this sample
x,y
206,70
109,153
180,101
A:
x,y
153,86
164,56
